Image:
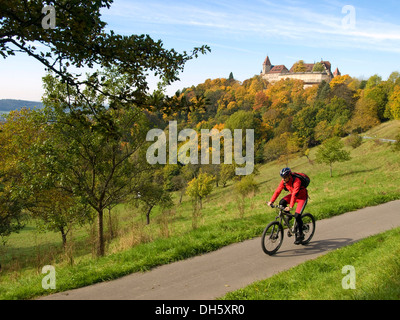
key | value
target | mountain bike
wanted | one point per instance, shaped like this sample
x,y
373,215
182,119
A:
x,y
272,236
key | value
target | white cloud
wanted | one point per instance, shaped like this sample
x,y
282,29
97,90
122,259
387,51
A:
x,y
285,21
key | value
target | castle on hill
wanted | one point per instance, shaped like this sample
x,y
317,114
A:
x,y
309,75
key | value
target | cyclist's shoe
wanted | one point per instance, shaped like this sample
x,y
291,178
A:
x,y
299,239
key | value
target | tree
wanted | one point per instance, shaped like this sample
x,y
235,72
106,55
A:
x,y
304,123
247,120
345,79
373,81
318,67
336,114
332,151
275,147
260,100
99,159
379,95
394,78
365,115
200,187
197,189
244,188
152,194
17,135
299,66
393,107
79,40
56,210
323,91
227,173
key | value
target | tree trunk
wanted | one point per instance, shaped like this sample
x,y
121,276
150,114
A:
x,y
110,224
331,169
64,238
148,214
180,199
101,236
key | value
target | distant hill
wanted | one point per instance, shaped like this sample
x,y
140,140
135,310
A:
x,y
11,104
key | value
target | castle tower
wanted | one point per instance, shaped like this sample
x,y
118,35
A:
x,y
336,73
267,66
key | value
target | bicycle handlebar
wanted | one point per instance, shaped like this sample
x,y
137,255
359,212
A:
x,y
282,209
278,207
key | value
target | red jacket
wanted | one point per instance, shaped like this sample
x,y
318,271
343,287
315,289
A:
x,y
294,187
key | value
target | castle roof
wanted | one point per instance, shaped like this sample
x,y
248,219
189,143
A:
x,y
279,69
327,65
267,62
337,72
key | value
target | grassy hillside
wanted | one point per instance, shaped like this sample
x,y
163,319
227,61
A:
x,y
370,178
387,130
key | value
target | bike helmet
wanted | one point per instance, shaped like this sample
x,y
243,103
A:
x,y
285,172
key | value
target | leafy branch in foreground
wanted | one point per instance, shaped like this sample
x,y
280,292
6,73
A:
x,y
80,41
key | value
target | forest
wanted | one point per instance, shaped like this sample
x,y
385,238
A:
x,y
286,117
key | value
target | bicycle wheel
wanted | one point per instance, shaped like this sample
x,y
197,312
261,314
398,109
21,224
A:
x,y
272,238
308,227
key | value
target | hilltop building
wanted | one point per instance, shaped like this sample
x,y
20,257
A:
x,y
275,73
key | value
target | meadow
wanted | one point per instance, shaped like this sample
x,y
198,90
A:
x,y
369,178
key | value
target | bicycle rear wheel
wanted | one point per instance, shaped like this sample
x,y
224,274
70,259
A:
x,y
272,238
308,227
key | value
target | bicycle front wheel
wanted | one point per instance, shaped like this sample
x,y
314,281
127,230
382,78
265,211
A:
x,y
272,238
308,227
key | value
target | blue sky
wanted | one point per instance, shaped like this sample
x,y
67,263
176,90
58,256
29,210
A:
x,y
242,33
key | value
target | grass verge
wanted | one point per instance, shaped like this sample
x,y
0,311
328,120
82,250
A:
x,y
376,262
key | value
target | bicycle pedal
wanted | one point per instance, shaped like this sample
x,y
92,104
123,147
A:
x,y
289,234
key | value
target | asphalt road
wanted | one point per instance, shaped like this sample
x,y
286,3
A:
x,y
214,274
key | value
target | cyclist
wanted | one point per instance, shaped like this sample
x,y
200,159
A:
x,y
298,194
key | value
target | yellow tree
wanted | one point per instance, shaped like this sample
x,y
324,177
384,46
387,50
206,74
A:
x,y
394,103
345,79
197,189
365,115
299,66
200,187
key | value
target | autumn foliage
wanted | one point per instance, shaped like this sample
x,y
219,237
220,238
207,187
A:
x,y
290,117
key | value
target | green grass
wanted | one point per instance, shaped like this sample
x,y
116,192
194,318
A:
x,y
141,258
370,178
376,262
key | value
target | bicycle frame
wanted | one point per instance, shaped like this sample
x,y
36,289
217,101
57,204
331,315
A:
x,y
281,217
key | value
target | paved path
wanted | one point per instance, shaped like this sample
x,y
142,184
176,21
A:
x,y
212,275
